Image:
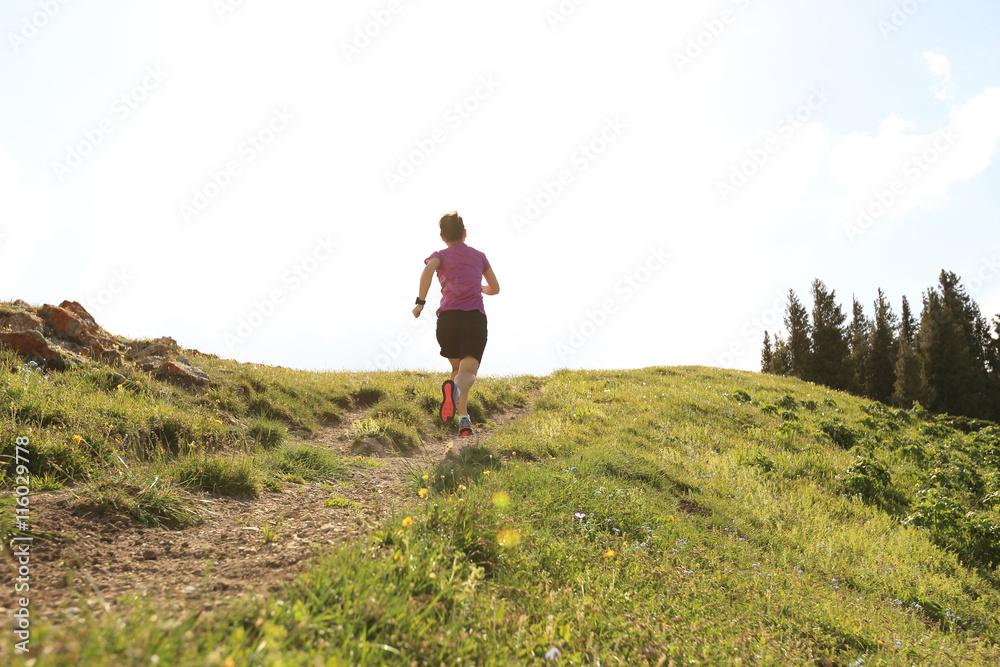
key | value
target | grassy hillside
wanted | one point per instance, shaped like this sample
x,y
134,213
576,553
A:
x,y
662,516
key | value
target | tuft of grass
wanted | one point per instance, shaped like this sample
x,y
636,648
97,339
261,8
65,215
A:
x,y
401,411
309,464
270,531
233,476
341,503
400,436
368,394
267,433
152,503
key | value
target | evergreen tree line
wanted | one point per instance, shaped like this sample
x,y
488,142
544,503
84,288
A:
x,y
948,360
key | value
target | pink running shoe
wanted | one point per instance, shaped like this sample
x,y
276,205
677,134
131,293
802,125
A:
x,y
450,398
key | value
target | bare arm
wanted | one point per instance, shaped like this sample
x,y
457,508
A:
x,y
491,287
425,282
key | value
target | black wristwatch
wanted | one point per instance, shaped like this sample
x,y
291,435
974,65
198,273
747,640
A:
x,y
421,302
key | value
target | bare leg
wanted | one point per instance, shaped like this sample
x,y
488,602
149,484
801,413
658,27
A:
x,y
464,376
454,368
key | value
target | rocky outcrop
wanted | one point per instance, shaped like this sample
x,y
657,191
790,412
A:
x,y
67,333
30,344
21,321
177,371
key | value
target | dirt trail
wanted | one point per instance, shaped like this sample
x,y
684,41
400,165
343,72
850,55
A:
x,y
205,567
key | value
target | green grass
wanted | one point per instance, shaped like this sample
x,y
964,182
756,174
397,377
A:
x,y
151,502
235,476
303,463
692,515
267,434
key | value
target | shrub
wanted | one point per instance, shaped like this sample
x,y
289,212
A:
x,y
867,477
839,433
741,396
788,402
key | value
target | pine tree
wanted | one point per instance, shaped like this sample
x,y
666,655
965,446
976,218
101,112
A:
x,y
799,345
907,387
881,377
952,363
767,356
781,359
907,325
831,353
860,350
993,371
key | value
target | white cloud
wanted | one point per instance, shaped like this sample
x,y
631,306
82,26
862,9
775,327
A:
x,y
922,166
941,68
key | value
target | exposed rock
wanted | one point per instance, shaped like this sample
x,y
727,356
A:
x,y
368,447
73,333
176,371
67,324
81,312
22,321
29,344
161,347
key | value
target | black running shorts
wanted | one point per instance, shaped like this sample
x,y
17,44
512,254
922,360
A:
x,y
462,333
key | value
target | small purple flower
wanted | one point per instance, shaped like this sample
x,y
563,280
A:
x,y
552,654
580,515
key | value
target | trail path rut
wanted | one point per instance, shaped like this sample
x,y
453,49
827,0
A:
x,y
100,560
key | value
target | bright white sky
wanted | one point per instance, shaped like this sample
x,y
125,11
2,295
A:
x,y
113,116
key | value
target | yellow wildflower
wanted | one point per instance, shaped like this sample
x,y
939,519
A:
x,y
407,522
422,493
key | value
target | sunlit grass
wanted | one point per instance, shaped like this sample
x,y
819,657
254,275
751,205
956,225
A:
x,y
691,515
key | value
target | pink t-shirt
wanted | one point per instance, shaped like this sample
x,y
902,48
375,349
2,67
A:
x,y
461,276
